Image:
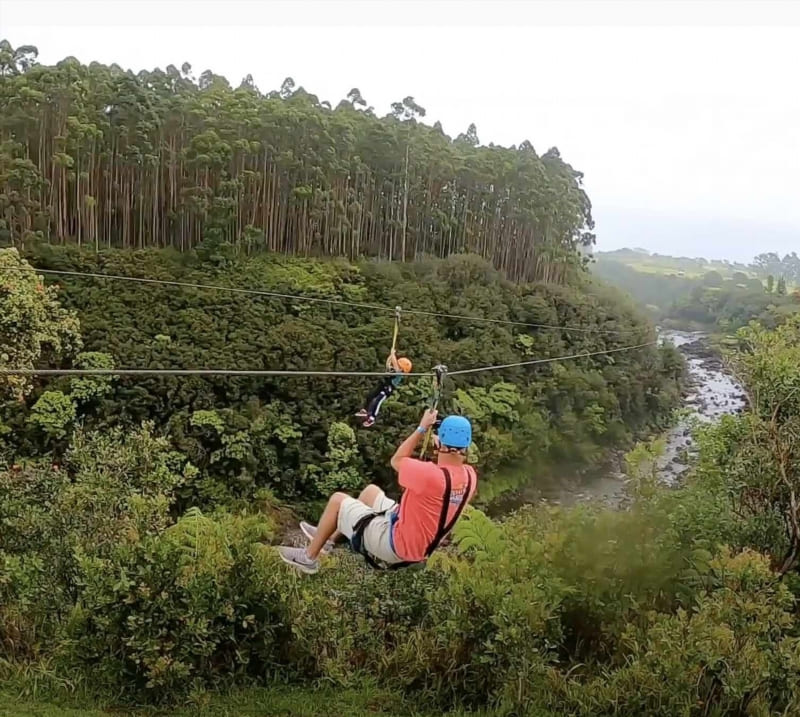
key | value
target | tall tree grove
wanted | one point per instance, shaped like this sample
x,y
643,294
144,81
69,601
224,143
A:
x,y
101,156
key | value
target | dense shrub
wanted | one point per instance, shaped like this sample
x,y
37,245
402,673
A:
x,y
200,604
585,611
732,652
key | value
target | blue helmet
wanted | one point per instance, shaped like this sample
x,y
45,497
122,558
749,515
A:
x,y
455,432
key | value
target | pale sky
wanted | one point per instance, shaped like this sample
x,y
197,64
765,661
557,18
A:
x,y
684,116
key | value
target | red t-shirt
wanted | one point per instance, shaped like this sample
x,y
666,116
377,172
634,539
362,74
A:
x,y
421,505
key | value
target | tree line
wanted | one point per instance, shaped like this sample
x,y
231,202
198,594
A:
x,y
770,264
711,300
102,156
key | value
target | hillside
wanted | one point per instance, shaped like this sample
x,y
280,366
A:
x,y
651,263
136,560
697,294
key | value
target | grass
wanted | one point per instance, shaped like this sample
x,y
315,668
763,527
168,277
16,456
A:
x,y
276,702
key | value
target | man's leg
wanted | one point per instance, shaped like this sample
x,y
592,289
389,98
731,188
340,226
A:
x,y
369,495
326,528
307,559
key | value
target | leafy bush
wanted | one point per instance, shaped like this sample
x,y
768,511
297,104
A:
x,y
33,325
112,490
340,471
201,604
733,652
91,388
53,413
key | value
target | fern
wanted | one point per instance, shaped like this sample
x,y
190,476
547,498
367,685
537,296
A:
x,y
203,544
478,535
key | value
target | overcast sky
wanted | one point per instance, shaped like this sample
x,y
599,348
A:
x,y
684,116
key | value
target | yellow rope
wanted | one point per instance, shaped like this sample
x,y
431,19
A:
x,y
396,328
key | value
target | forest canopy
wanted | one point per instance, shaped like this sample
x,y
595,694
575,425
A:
x,y
106,157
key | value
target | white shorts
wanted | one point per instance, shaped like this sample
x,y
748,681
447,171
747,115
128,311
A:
x,y
377,535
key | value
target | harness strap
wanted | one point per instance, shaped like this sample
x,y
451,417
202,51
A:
x,y
448,487
357,544
444,526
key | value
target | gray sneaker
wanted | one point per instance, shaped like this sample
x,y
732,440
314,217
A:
x,y
310,531
297,558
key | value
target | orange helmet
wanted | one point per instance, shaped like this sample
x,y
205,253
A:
x,y
404,364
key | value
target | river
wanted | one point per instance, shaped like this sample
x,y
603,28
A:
x,y
712,392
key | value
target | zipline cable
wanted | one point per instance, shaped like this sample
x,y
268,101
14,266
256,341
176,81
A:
x,y
299,297
188,372
233,372
499,367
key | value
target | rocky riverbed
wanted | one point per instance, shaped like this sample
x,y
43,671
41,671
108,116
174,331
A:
x,y
712,393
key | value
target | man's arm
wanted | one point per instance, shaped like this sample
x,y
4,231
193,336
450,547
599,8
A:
x,y
407,447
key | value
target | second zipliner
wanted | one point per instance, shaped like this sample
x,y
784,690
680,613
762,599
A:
x,y
396,369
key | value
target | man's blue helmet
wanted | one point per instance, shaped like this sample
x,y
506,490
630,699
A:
x,y
455,432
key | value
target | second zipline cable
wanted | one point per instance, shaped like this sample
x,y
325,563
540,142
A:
x,y
288,373
314,299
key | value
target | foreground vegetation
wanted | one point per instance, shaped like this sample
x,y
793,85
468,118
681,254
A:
x,y
253,702
126,580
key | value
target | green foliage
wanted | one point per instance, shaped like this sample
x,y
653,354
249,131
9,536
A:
x,y
732,653
273,701
642,468
84,390
207,419
584,611
682,294
713,279
340,471
33,326
274,432
53,413
198,605
762,466
771,264
113,490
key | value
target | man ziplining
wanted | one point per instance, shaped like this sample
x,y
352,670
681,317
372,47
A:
x,y
396,535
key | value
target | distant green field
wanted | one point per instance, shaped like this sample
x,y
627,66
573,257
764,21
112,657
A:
x,y
681,266
648,268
